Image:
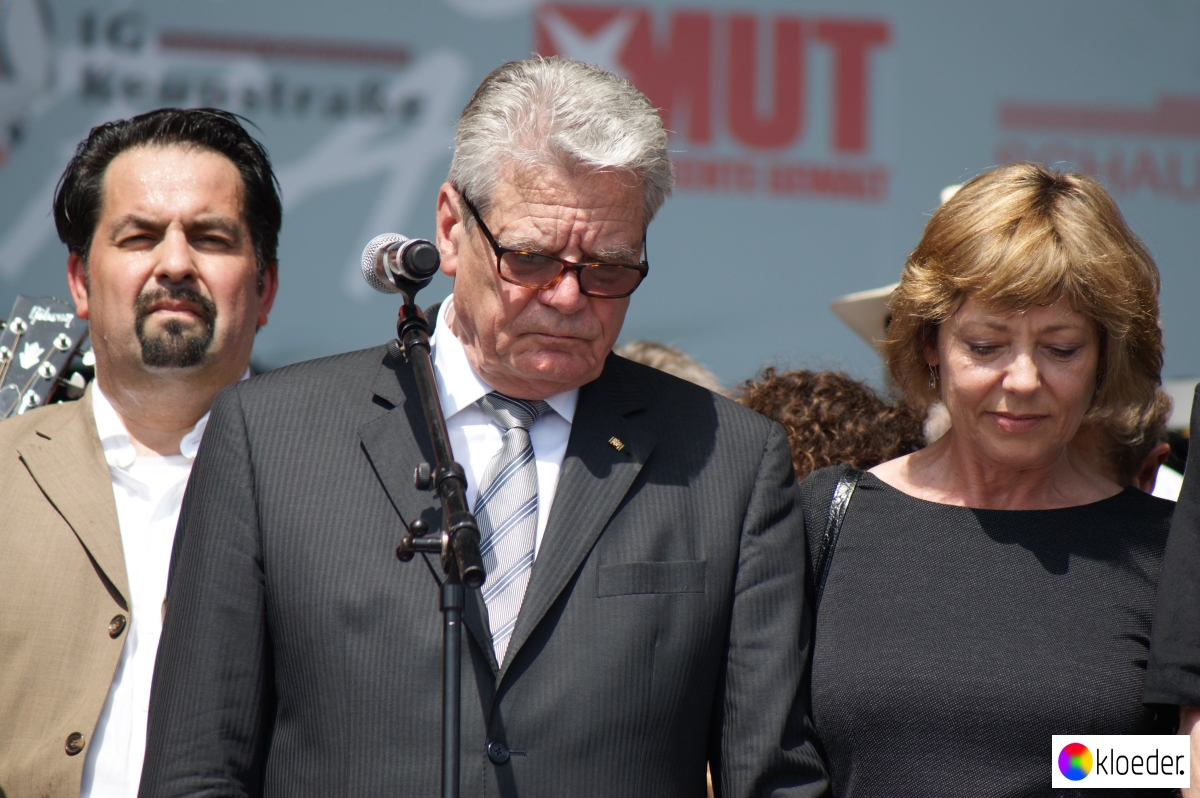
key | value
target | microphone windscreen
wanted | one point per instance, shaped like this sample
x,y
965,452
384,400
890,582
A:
x,y
370,262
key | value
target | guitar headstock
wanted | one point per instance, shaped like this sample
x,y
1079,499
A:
x,y
37,343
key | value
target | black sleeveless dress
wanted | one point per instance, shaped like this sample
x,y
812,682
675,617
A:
x,y
951,643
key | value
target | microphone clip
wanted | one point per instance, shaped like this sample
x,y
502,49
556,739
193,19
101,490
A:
x,y
410,319
394,264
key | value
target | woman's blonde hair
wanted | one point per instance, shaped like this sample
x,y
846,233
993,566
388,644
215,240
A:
x,y
1022,236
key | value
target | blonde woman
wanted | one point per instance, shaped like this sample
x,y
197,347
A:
x,y
993,589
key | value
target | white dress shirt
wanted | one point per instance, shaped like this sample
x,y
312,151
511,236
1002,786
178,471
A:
x,y
475,438
148,493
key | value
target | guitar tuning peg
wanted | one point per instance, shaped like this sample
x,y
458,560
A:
x,y
74,385
30,400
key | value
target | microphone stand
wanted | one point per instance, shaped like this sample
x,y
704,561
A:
x,y
458,543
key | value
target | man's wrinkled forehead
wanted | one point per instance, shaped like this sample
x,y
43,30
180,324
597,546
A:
x,y
534,208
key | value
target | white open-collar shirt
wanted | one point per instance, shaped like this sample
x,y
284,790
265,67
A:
x,y
475,438
149,492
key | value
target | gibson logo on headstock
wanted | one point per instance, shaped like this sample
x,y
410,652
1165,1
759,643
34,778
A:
x,y
40,313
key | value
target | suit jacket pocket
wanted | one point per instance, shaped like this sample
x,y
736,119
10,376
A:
x,y
631,578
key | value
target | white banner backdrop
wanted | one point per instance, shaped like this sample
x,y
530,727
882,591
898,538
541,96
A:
x,y
811,139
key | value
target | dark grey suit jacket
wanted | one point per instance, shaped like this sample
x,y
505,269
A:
x,y
664,623
1173,672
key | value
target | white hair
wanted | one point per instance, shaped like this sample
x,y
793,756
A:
x,y
556,113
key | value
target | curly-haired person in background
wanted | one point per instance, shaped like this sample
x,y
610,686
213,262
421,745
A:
x,y
832,418
671,360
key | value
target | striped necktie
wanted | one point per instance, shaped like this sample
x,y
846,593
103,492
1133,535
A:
x,y
507,512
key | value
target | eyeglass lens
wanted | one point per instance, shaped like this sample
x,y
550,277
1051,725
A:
x,y
532,270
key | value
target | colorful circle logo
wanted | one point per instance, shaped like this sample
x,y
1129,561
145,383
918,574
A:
x,y
1075,761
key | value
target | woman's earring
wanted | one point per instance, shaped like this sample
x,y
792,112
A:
x,y
932,379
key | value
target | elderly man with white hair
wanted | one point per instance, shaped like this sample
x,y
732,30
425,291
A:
x,y
644,612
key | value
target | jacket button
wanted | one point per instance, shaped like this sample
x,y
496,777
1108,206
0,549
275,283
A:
x,y
74,744
116,626
497,752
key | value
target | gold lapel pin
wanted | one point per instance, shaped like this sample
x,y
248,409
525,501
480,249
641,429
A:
x,y
615,442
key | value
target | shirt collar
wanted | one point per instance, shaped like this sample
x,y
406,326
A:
x,y
460,387
118,448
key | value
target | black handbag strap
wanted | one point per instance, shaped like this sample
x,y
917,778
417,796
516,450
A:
x,y
842,492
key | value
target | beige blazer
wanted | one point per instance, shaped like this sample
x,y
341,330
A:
x,y
64,609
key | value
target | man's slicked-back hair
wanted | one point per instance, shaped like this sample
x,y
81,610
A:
x,y
80,192
556,113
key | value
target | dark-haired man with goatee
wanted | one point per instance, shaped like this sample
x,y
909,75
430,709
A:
x,y
171,220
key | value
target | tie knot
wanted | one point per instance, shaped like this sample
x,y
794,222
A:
x,y
510,413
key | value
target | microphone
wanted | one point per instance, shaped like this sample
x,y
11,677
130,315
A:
x,y
392,264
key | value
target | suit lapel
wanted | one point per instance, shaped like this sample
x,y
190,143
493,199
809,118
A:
x,y
475,617
394,443
66,460
594,479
